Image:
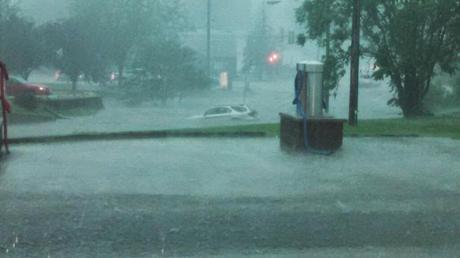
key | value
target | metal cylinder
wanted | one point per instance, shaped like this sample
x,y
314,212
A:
x,y
312,97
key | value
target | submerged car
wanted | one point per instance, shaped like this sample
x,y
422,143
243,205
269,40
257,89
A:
x,y
230,112
18,87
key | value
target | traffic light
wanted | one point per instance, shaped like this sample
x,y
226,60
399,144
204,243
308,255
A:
x,y
274,58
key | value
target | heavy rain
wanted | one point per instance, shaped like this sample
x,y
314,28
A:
x,y
243,128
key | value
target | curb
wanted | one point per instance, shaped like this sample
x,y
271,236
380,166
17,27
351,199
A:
x,y
382,136
132,136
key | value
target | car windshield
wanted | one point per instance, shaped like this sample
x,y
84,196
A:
x,y
230,128
213,111
239,108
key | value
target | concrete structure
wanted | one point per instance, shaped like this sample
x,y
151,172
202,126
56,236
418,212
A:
x,y
324,134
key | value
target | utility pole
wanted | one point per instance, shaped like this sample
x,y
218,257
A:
x,y
208,41
355,51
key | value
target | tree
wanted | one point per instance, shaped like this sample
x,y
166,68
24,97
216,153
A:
x,y
255,54
114,27
328,23
6,10
169,70
412,38
258,46
407,38
21,47
68,49
18,45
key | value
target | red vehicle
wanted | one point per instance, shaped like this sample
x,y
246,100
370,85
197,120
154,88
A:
x,y
18,87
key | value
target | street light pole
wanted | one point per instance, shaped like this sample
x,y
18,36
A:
x,y
208,40
354,77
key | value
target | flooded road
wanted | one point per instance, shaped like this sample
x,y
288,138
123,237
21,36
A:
x,y
200,197
267,98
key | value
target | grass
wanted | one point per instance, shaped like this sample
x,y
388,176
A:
x,y
448,127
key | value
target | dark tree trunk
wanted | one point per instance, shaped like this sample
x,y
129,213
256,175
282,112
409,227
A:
x,y
411,102
413,87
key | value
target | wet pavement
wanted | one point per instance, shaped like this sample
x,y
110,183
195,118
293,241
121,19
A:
x,y
230,197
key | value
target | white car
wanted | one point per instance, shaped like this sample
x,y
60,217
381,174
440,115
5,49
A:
x,y
231,112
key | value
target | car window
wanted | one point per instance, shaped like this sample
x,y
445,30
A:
x,y
239,108
213,111
225,110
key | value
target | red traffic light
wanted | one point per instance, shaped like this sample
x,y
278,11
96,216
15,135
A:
x,y
274,58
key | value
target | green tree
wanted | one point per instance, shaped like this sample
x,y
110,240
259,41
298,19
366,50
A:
x,y
19,47
114,27
407,38
255,54
170,70
7,8
327,22
68,49
259,44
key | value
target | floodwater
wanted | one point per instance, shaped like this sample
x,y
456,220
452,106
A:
x,y
237,197
267,98
229,167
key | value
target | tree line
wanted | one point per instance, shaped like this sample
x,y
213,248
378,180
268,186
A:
x,y
102,36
